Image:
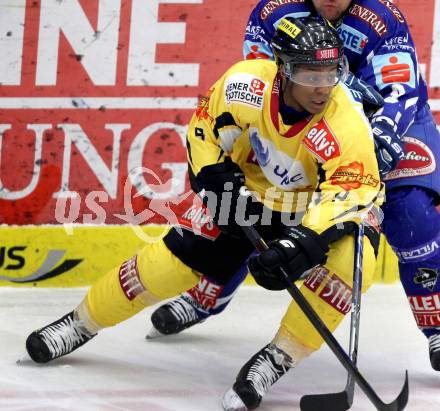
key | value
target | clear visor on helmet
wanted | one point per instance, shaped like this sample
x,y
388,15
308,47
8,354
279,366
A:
x,y
317,75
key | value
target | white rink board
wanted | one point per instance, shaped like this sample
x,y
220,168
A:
x,y
119,370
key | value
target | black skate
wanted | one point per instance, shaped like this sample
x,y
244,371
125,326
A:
x,y
255,378
174,317
434,351
57,339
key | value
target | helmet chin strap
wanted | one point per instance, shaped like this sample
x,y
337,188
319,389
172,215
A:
x,y
284,82
283,87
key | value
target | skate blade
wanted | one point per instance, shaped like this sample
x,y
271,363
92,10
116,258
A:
x,y
153,334
232,402
24,359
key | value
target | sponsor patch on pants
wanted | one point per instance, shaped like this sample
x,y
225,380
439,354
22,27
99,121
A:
x,y
129,279
337,294
206,293
426,309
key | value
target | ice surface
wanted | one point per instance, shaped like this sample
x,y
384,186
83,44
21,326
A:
x,y
120,370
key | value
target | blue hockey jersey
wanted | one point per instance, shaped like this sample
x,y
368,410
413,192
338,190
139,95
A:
x,y
377,43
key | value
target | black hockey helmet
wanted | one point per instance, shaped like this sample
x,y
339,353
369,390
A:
x,y
307,40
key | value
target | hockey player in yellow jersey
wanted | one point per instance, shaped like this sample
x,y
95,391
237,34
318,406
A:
x,y
293,134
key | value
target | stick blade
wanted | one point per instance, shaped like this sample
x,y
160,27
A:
x,y
338,401
402,400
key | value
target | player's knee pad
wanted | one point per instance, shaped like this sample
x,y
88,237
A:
x,y
328,289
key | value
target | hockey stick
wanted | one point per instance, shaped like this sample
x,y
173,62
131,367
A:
x,y
399,403
342,401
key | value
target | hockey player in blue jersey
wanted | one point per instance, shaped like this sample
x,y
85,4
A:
x,y
381,53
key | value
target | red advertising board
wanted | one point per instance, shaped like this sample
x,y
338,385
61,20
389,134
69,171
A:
x,y
91,89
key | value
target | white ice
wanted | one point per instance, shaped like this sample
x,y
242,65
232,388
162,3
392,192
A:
x,y
120,370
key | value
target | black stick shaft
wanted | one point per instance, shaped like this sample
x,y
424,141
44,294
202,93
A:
x,y
328,337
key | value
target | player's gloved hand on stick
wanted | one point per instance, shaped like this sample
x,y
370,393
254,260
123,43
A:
x,y
371,99
389,147
222,183
298,250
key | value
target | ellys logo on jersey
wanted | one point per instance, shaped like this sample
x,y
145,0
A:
x,y
426,277
321,141
245,89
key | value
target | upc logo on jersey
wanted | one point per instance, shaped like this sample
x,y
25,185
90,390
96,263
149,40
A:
x,y
278,167
321,141
393,68
245,89
418,161
353,39
426,277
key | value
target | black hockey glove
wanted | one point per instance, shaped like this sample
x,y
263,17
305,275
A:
x,y
389,147
221,184
371,99
298,250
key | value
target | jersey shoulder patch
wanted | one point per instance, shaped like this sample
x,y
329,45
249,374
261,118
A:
x,y
245,88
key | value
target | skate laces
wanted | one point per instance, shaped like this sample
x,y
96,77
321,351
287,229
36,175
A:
x,y
270,365
434,343
64,336
183,310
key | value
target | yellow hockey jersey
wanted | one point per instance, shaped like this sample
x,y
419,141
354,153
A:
x,y
324,164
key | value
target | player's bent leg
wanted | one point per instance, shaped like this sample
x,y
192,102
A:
x,y
152,275
328,290
208,297
412,228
